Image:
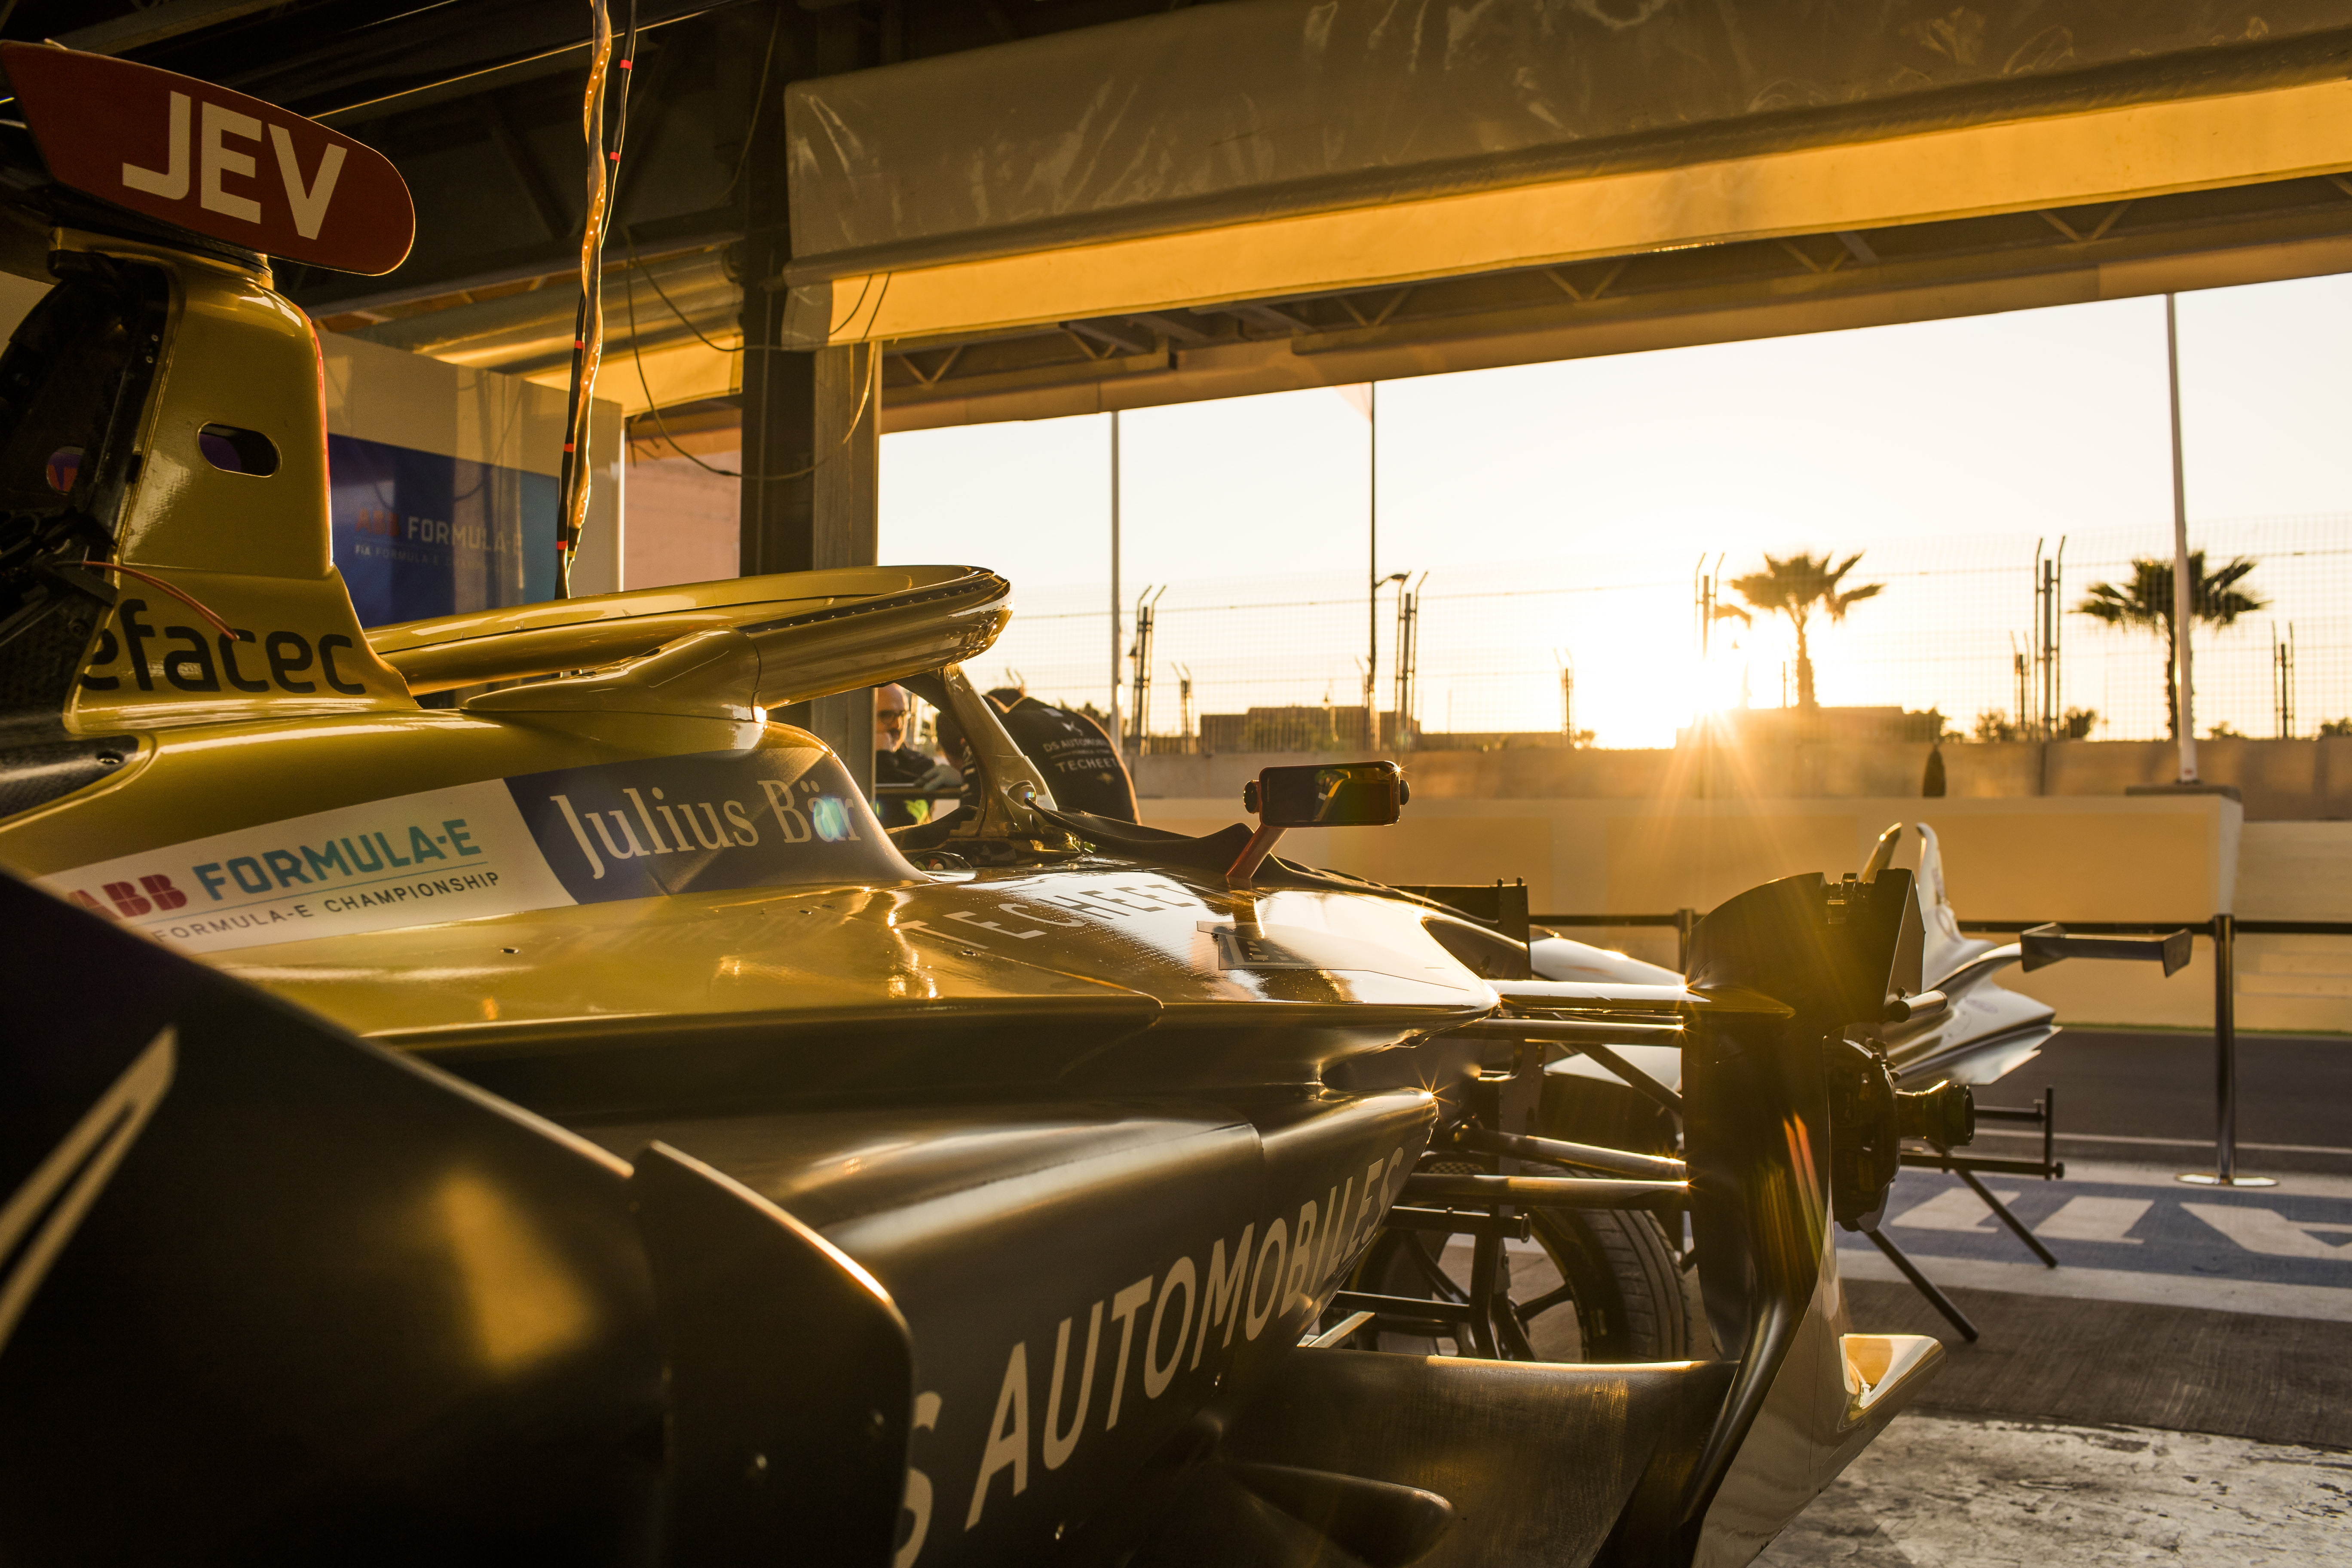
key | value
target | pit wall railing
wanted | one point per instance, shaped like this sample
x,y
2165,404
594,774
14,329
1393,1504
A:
x,y
2222,931
2177,858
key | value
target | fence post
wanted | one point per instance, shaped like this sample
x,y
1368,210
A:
x,y
2225,1048
2225,1064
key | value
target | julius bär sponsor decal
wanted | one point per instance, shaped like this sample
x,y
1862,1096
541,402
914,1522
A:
x,y
575,836
705,822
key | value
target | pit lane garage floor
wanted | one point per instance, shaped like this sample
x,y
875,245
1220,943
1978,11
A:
x,y
1937,1491
2179,1389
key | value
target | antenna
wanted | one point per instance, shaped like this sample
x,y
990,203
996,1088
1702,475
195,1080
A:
x,y
2054,674
2049,620
2022,663
2283,674
1566,662
1706,594
1408,658
1146,606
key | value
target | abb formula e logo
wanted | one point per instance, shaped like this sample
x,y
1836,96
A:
x,y
149,893
207,159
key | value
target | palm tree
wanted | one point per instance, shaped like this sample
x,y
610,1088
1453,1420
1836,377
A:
x,y
2146,602
1796,587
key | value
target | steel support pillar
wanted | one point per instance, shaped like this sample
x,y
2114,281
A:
x,y
811,420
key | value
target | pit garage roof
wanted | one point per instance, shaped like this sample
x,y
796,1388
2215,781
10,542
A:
x,y
1130,209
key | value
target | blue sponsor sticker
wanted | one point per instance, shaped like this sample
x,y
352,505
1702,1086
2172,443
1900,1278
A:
x,y
704,822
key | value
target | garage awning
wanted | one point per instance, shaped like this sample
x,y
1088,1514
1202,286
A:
x,y
1282,148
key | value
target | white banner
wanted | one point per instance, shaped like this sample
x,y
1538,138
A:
x,y
415,859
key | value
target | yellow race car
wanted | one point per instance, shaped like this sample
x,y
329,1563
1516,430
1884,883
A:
x,y
567,1127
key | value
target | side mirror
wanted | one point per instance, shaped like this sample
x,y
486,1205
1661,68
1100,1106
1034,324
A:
x,y
1341,794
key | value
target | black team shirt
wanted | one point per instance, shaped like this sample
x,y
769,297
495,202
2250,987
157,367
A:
x,y
1079,764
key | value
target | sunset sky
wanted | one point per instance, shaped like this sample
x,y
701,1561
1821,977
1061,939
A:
x,y
1946,447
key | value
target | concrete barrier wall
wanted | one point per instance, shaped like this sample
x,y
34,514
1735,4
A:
x,y
2295,871
2306,780
2141,858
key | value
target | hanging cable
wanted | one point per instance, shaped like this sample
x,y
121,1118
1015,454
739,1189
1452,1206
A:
x,y
685,320
588,322
759,98
653,404
856,417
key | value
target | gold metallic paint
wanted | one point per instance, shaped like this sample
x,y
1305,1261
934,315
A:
x,y
1836,1391
767,961
235,354
313,607
197,780
518,640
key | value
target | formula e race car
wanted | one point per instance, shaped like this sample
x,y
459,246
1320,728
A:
x,y
566,1127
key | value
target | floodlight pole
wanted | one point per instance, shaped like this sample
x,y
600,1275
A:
x,y
1115,731
1373,572
2183,590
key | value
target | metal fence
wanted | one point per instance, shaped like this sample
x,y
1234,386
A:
x,y
1610,643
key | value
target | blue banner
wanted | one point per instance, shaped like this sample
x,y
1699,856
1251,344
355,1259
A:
x,y
417,535
770,816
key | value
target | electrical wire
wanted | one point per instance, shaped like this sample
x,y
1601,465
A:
x,y
683,320
737,474
637,264
758,99
187,598
588,330
865,394
636,352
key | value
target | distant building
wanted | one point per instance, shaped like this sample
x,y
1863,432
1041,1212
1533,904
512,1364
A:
x,y
1302,729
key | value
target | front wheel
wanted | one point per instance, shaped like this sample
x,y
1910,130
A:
x,y
1605,1286
1619,1280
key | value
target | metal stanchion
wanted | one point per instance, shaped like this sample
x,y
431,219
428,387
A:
x,y
2225,1065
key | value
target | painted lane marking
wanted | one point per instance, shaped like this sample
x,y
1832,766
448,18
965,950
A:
x,y
1956,1208
2260,1297
2272,1233
2103,1173
2300,1239
2094,1220
1985,1132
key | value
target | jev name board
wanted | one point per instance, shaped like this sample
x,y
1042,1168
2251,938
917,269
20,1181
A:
x,y
201,157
